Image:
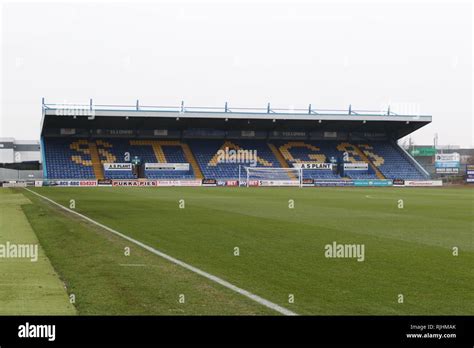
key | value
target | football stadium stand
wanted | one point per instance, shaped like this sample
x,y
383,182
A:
x,y
74,158
100,142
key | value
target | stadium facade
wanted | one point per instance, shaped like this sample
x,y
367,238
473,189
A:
x,y
148,145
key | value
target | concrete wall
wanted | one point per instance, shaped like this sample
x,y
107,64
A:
x,y
12,174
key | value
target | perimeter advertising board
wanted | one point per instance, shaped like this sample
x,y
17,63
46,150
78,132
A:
x,y
423,183
117,166
380,182
278,183
356,166
333,182
470,173
70,183
169,183
167,166
313,166
447,163
135,183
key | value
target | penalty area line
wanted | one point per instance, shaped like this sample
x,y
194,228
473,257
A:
x,y
176,261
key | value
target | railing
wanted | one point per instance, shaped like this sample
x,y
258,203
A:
x,y
212,109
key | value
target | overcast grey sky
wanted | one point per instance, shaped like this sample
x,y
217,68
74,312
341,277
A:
x,y
414,55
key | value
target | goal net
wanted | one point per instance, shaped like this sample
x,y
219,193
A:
x,y
274,176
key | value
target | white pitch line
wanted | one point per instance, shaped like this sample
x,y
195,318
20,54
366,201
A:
x,y
196,270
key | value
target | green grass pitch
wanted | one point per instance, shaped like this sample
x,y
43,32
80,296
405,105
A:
x,y
26,288
409,250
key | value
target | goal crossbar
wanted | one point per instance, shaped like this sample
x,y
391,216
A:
x,y
275,176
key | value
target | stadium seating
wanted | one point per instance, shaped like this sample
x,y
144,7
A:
x,y
74,158
149,151
172,154
384,157
68,159
395,164
306,151
206,154
119,174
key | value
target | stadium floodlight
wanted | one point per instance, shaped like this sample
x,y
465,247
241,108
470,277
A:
x,y
274,176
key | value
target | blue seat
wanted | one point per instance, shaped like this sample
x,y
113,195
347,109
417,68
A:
x,y
69,158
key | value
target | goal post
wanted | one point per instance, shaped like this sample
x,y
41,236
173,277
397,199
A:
x,y
274,176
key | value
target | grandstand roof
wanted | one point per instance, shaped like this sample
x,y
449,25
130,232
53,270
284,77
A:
x,y
181,117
